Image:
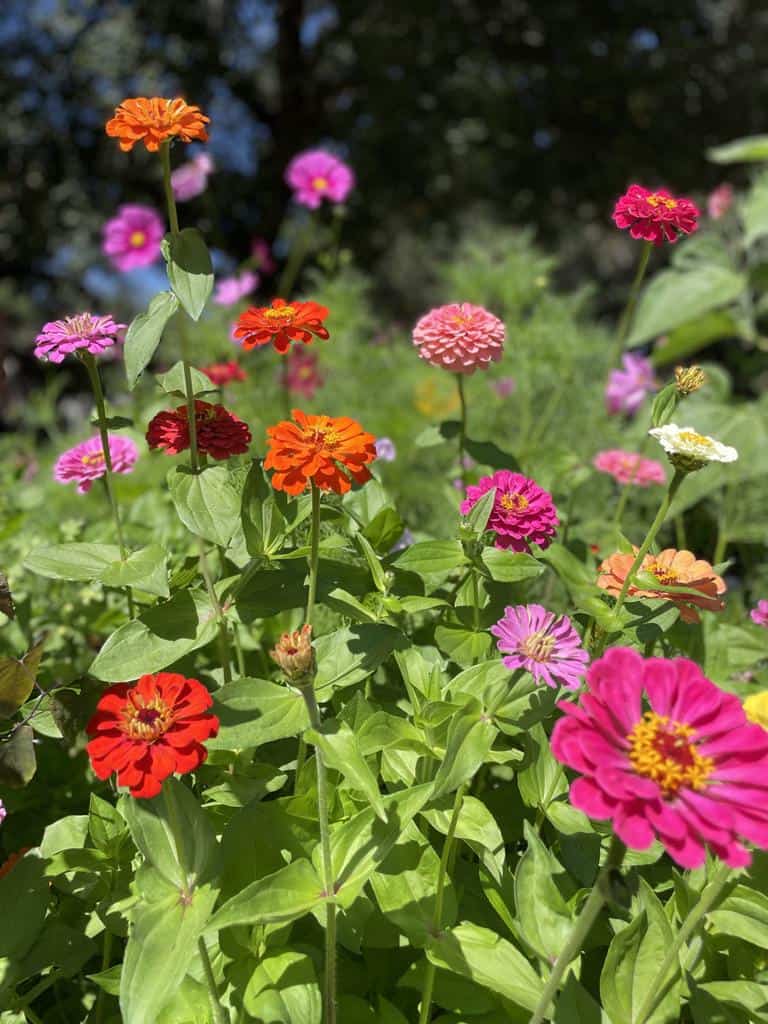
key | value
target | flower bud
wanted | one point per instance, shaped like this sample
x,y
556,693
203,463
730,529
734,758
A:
x,y
688,379
293,653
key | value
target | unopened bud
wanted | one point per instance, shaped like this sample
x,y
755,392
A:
x,y
293,653
688,379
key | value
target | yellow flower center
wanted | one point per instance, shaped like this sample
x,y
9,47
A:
x,y
664,751
663,573
325,437
655,199
538,646
147,721
97,459
319,184
514,502
137,239
691,437
280,313
756,708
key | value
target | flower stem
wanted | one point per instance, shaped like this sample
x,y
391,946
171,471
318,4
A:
x,y
582,927
629,309
106,957
475,600
462,426
224,652
621,504
170,202
437,916
220,1016
657,988
314,552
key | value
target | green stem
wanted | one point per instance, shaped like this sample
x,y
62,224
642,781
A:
x,y
224,652
301,756
626,316
295,260
582,927
238,650
658,986
462,426
106,957
437,916
220,1016
680,538
621,504
170,201
475,601
314,553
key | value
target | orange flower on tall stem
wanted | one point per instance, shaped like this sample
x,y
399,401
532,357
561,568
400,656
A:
x,y
671,568
156,120
281,323
330,452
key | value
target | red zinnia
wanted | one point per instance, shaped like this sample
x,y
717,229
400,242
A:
x,y
655,216
224,373
149,730
220,433
281,324
325,450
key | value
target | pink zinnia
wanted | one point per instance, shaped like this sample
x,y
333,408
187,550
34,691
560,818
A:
x,y
549,648
261,255
132,238
61,338
720,201
654,216
630,467
626,389
230,290
85,462
522,512
691,770
191,179
759,615
460,337
316,175
303,375
504,386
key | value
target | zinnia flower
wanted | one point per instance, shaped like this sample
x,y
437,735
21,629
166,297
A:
x,y
756,708
686,768
156,120
522,512
759,615
385,449
316,175
293,653
690,450
504,386
132,238
60,338
224,373
230,290
655,216
670,568
629,467
460,337
720,200
626,389
303,376
325,450
191,179
220,433
261,255
85,462
149,730
549,648
281,324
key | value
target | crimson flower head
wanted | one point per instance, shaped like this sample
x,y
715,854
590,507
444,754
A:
x,y
281,323
224,373
148,730
655,216
220,433
522,511
322,449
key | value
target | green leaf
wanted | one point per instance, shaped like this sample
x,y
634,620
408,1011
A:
x,y
695,335
17,758
543,778
476,826
72,561
24,896
384,529
754,211
106,825
340,750
432,556
510,566
190,270
744,914
174,383
377,573
145,569
664,405
349,655
283,990
208,502
747,998
17,679
144,335
480,513
283,896
470,737
254,711
752,148
464,646
542,915
264,522
113,422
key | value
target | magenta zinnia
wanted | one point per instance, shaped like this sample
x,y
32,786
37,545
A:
x,y
132,238
85,462
459,337
523,513
549,647
665,754
655,215
60,338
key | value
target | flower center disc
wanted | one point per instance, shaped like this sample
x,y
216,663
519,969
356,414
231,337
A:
x,y
663,574
514,502
319,183
663,750
656,200
147,721
281,313
693,438
97,459
538,646
137,239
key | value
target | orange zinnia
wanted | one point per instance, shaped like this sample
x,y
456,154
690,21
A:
x,y
325,450
156,120
281,323
671,568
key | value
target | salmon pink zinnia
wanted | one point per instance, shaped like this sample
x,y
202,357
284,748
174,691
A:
x,y
664,754
669,568
532,638
655,216
629,467
523,513
60,338
85,462
460,337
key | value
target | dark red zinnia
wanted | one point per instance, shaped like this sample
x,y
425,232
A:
x,y
655,216
281,323
224,373
220,433
149,730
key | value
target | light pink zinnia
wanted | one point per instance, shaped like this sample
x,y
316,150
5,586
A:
x,y
460,337
522,512
759,614
691,771
132,238
191,179
549,648
316,175
85,462
230,290
630,467
303,375
626,389
720,201
60,338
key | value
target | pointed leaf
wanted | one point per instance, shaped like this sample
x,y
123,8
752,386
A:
x,y
144,335
208,502
190,270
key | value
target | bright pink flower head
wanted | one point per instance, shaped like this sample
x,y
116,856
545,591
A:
x,y
626,389
132,238
230,290
630,467
720,200
85,462
303,375
61,338
261,255
522,513
460,337
759,614
316,175
664,754
191,179
654,216
549,648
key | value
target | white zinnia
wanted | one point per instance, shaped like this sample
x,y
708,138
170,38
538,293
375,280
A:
x,y
688,442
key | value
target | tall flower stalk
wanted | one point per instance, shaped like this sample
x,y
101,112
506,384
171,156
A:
x,y
462,426
629,310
